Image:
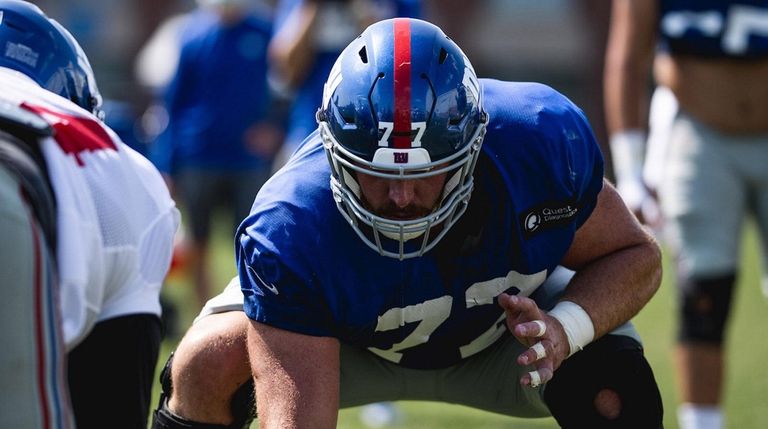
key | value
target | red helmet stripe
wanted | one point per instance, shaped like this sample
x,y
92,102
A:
x,y
402,127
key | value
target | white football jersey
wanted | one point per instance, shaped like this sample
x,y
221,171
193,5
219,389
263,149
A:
x,y
115,218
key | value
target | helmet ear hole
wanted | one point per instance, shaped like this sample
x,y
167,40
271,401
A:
x,y
443,55
363,55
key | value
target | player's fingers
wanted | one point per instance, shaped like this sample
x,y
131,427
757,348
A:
x,y
532,328
537,377
535,353
518,304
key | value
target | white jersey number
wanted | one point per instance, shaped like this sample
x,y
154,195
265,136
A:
x,y
741,22
432,313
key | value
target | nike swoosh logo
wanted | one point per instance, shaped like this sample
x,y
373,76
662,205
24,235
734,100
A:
x,y
269,286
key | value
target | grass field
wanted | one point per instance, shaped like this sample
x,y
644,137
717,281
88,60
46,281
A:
x,y
746,402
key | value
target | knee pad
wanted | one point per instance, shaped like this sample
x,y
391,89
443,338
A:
x,y
616,363
704,305
243,407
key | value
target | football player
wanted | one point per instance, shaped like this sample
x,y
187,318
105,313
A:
x,y
87,230
410,249
711,58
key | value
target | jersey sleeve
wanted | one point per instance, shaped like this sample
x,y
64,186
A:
x,y
586,161
550,163
278,285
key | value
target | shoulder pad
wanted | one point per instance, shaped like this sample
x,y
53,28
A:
x,y
13,117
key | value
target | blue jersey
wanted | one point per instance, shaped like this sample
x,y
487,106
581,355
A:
x,y
302,267
715,28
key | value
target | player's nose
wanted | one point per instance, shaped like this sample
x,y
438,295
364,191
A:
x,y
402,192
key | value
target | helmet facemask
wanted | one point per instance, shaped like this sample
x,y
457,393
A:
x,y
428,229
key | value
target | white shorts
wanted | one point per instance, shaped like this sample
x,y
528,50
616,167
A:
x,y
711,183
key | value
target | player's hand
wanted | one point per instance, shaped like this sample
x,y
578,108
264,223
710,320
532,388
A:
x,y
642,201
547,342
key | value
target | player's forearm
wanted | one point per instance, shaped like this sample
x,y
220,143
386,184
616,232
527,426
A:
x,y
628,60
292,49
281,407
617,261
614,288
296,378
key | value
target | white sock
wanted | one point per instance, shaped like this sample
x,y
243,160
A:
x,y
692,416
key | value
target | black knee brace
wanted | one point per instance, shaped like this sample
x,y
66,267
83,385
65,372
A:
x,y
704,307
614,362
243,407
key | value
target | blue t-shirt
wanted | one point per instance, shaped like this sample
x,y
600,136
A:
x,y
715,28
302,268
218,92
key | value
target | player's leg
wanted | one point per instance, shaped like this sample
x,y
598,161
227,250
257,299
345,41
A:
x,y
198,192
761,216
207,381
609,384
245,186
752,158
704,203
32,369
123,350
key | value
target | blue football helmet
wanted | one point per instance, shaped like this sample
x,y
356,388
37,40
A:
x,y
44,50
402,102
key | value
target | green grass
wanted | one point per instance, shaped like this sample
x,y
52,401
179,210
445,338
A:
x,y
746,396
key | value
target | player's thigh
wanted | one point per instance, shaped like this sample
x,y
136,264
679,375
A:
x,y
703,199
31,365
753,157
488,380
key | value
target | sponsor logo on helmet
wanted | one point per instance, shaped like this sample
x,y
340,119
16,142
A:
x,y
21,53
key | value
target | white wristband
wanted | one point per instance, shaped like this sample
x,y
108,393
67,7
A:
x,y
576,323
628,153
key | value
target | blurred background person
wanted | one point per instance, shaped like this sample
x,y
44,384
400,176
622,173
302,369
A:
x,y
308,37
710,61
219,142
102,260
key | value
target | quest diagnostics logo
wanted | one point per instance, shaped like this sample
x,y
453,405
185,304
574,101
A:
x,y
547,216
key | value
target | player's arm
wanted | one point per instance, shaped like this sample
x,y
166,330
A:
x,y
292,49
617,264
296,377
627,78
618,269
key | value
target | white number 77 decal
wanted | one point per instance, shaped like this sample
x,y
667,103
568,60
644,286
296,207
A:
x,y
388,127
434,312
